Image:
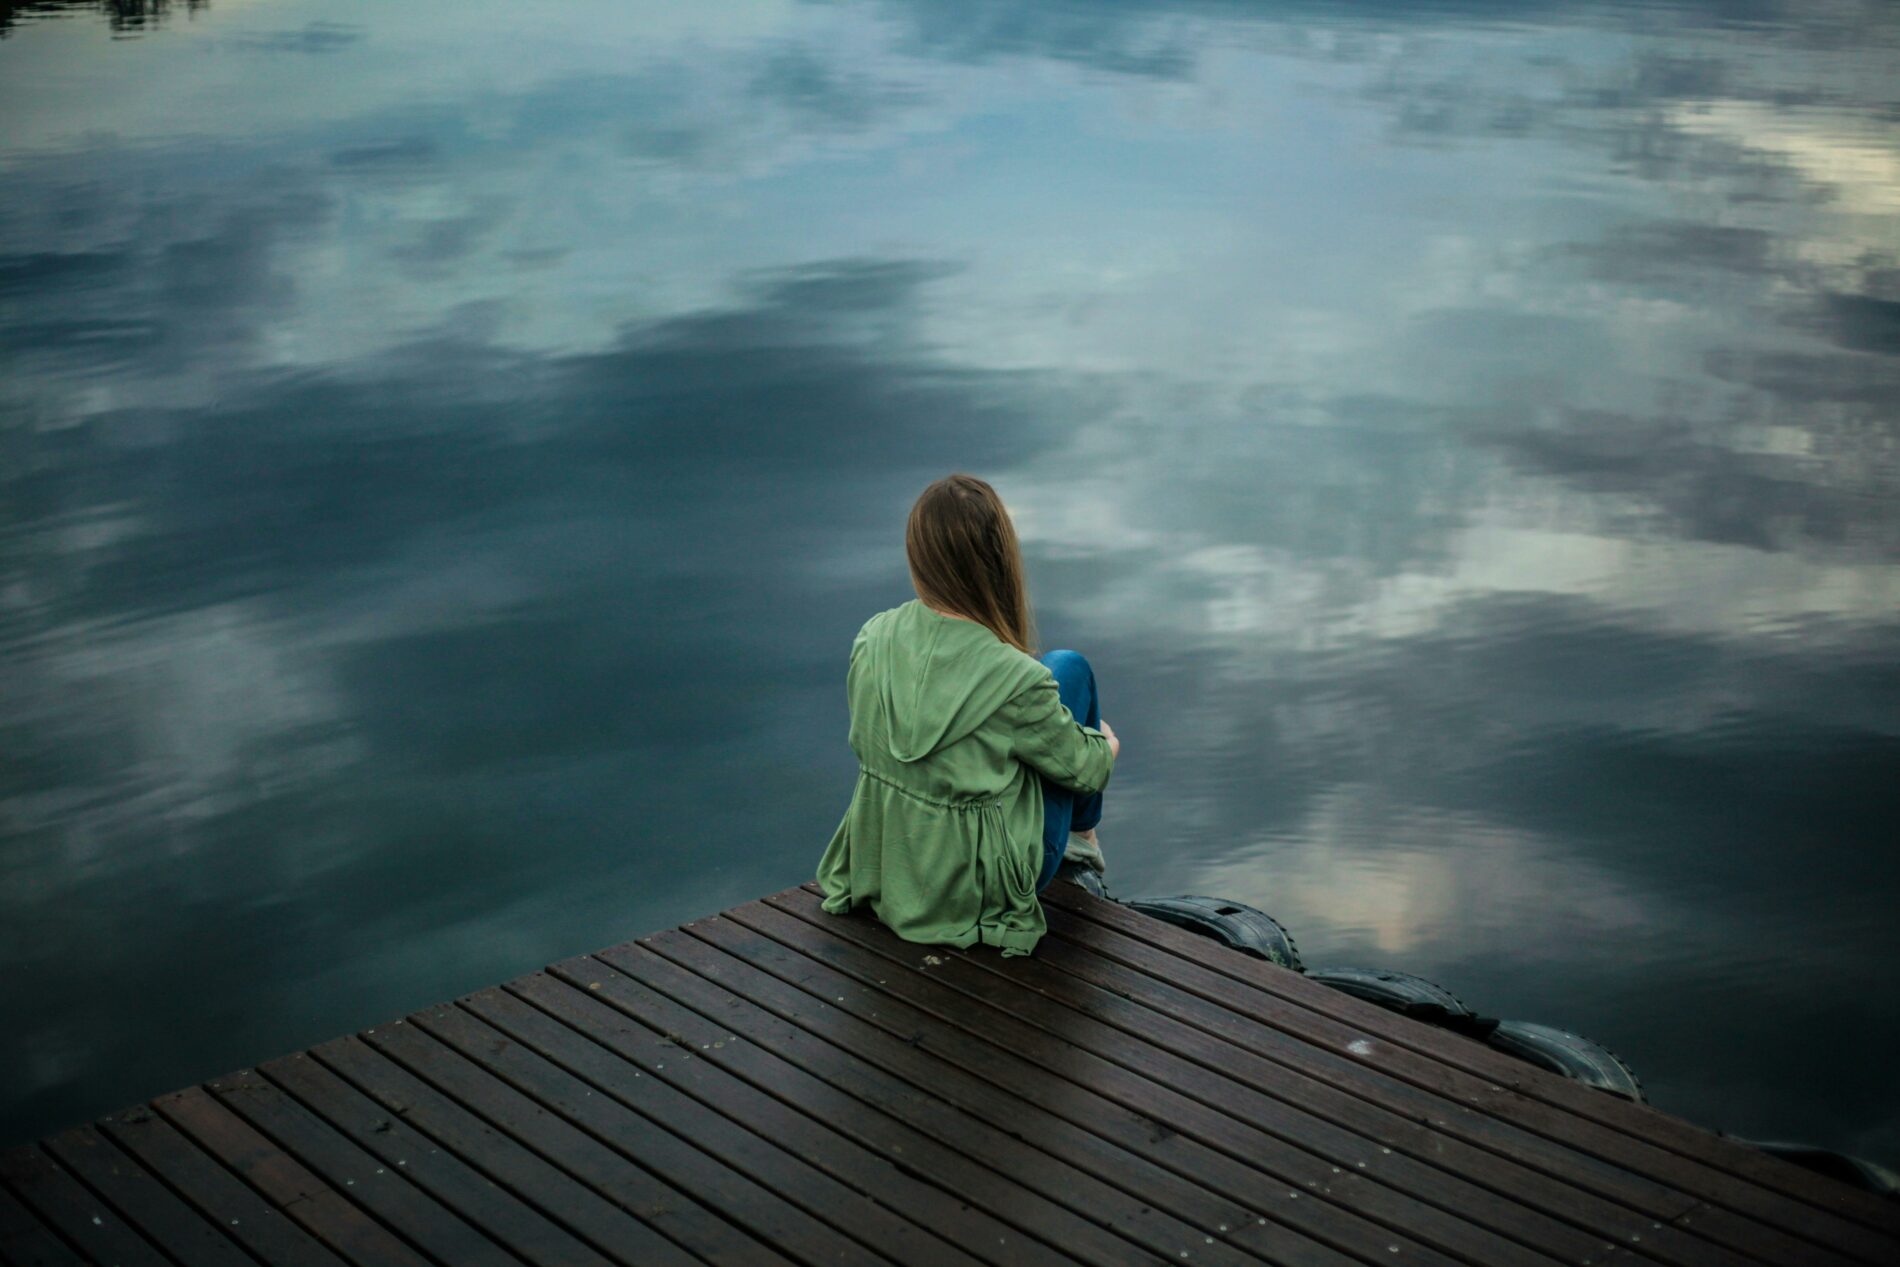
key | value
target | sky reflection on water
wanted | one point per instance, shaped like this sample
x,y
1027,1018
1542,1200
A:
x,y
445,452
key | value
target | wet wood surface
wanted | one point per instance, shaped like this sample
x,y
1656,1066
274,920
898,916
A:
x,y
775,1085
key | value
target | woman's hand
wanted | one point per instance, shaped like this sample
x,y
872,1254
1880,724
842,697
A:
x,y
1114,744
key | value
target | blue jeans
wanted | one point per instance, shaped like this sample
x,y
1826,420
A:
x,y
1064,811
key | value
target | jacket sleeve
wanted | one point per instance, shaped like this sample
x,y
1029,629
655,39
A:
x,y
1045,736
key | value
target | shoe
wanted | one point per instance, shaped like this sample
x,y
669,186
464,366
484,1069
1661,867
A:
x,y
1085,852
1082,865
1082,878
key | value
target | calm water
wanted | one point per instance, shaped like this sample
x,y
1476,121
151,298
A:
x,y
446,449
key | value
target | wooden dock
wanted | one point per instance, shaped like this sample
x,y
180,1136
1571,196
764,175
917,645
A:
x,y
778,1086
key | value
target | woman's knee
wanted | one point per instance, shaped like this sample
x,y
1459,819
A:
x,y
1075,681
1065,663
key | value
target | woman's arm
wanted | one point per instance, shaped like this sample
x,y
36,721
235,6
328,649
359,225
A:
x,y
1046,737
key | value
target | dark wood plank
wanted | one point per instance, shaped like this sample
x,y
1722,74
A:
x,y
314,1204
958,992
720,1171
1753,1180
1566,1183
951,1222
1519,1093
454,1170
385,1191
215,1192
601,1222
143,1201
1367,1098
1441,1172
1203,1147
1039,1192
1515,1091
73,1210
1003,1217
742,1148
1147,1201
658,1198
1656,1209
26,1241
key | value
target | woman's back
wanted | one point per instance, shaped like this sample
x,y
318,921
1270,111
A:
x,y
921,684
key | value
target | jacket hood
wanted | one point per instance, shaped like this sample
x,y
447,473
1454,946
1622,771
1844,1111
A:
x,y
934,679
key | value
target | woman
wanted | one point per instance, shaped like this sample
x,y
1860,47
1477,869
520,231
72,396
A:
x,y
975,778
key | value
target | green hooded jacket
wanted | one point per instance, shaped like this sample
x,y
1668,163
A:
x,y
952,728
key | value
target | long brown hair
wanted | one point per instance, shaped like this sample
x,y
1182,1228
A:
x,y
964,558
